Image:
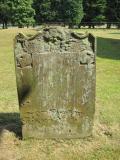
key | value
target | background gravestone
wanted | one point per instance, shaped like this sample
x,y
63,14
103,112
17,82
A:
x,y
56,73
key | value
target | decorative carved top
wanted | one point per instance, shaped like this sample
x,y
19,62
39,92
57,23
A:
x,y
55,41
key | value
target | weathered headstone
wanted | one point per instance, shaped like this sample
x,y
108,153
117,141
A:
x,y
56,83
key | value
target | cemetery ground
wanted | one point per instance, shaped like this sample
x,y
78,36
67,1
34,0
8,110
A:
x,y
105,142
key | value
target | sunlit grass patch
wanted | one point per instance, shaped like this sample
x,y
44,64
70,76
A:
x,y
104,145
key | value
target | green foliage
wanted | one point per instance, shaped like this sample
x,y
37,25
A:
x,y
44,10
94,11
113,12
5,12
23,13
73,12
68,11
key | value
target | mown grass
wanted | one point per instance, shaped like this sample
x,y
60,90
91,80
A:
x,y
104,145
108,79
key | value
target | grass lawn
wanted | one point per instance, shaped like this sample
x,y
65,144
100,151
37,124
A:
x,y
105,143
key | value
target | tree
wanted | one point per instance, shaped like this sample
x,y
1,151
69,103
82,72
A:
x,y
113,13
5,12
23,13
72,12
94,12
67,11
45,10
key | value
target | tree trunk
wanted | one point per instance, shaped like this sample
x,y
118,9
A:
x,y
3,25
118,26
6,25
20,26
108,25
71,26
79,26
89,26
93,26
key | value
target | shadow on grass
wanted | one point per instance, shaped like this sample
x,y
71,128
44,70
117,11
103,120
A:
x,y
11,122
108,48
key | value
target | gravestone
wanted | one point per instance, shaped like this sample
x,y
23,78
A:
x,y
56,74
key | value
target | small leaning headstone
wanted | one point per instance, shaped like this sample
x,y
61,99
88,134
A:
x,y
56,75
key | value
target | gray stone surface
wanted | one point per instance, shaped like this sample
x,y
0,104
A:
x,y
56,74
